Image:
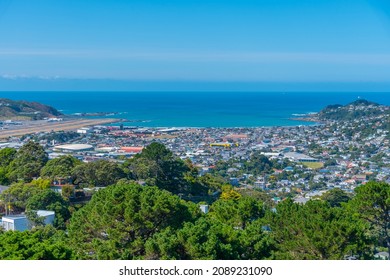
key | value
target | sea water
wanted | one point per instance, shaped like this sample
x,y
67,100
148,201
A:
x,y
197,109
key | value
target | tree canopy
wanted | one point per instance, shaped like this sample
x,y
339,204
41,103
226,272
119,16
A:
x,y
49,200
99,173
60,168
158,166
335,197
17,195
316,231
37,244
118,220
372,203
28,162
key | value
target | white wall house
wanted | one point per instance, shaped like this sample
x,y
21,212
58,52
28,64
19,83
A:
x,y
15,222
21,223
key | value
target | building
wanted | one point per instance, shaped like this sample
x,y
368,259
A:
x,y
260,184
21,223
84,130
298,157
234,181
204,208
237,136
382,256
224,144
73,148
134,150
15,222
3,188
11,145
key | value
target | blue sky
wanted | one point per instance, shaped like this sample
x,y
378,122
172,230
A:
x,y
242,41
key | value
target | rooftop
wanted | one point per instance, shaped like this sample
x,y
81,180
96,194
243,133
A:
x,y
74,147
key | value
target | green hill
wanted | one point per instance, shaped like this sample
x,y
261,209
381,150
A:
x,y
24,110
358,109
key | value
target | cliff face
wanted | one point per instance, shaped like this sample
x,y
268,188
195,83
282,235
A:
x,y
10,109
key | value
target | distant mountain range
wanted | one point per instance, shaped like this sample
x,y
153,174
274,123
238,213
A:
x,y
24,110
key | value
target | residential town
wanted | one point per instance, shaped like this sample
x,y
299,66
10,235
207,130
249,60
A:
x,y
309,159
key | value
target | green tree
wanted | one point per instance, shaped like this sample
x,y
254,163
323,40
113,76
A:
x,y
258,164
40,183
207,238
237,213
158,166
99,173
317,231
4,180
17,194
52,201
372,203
164,245
34,220
38,244
118,221
67,191
7,155
60,168
28,162
335,197
255,243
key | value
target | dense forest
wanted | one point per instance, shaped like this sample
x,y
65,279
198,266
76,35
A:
x,y
149,208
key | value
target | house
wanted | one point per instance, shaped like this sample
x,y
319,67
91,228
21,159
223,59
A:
x,y
301,200
382,256
59,183
204,208
3,188
84,130
21,222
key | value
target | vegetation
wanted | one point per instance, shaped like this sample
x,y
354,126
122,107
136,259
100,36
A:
x,y
372,204
96,174
28,162
357,109
313,165
336,197
317,231
25,110
37,244
121,218
49,200
61,167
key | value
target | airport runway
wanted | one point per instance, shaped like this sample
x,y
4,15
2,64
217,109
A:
x,y
30,127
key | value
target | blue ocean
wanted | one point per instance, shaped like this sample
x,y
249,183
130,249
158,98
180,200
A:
x,y
197,109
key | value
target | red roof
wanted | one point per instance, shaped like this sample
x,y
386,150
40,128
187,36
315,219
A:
x,y
132,149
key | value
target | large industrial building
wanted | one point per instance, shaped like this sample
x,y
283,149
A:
x,y
73,148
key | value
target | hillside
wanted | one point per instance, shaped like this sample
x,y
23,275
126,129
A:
x,y
24,110
355,110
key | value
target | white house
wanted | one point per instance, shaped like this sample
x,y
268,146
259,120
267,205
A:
x,y
204,208
21,223
15,222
